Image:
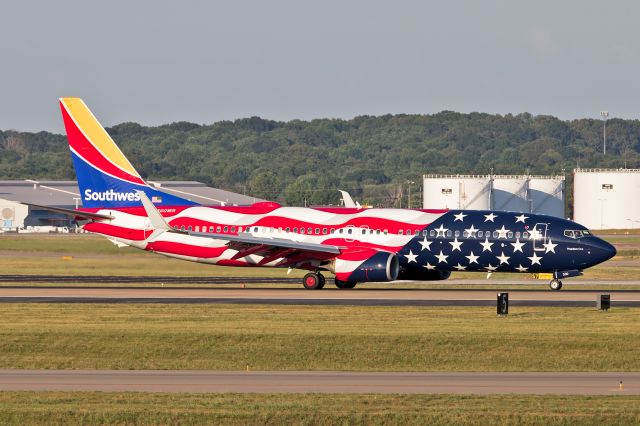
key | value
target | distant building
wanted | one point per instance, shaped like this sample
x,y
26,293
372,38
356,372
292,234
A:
x,y
65,194
606,198
520,193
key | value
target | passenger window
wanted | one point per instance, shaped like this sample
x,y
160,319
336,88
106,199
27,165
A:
x,y
286,229
517,235
449,234
370,231
302,230
317,231
385,232
233,229
324,231
509,235
349,231
340,231
197,228
457,234
364,231
424,233
400,232
417,232
309,230
190,229
525,235
182,227
377,232
432,233
495,234
239,228
295,230
332,231
226,229
218,229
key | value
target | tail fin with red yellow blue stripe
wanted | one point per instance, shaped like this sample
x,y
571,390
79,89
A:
x,y
105,177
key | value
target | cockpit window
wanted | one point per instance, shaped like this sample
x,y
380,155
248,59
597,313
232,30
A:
x,y
575,233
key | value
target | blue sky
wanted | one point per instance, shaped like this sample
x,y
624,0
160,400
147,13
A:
x,y
156,62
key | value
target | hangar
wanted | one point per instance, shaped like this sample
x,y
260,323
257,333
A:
x,y
15,216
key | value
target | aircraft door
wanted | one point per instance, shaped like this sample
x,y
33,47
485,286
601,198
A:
x,y
539,236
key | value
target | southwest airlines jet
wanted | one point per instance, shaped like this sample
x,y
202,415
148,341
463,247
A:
x,y
356,244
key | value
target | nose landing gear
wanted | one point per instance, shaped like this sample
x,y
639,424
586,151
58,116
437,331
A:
x,y
555,284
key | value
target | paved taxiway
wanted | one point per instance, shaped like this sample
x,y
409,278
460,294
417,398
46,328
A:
x,y
320,381
300,296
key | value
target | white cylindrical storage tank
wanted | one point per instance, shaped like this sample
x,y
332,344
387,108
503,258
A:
x,y
509,193
546,195
456,192
606,199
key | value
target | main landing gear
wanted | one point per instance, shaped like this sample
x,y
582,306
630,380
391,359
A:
x,y
555,284
313,281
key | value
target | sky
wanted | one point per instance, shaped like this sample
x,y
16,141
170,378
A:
x,y
156,62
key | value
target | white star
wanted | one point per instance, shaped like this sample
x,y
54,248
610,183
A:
x,y
521,268
455,244
442,258
441,231
472,258
517,246
503,259
502,232
521,218
535,234
470,232
486,246
459,267
549,247
429,266
490,268
535,259
460,216
426,245
411,257
489,217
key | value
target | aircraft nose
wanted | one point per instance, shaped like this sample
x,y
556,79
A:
x,y
602,250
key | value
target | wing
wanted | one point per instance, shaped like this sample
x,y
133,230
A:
x,y
292,252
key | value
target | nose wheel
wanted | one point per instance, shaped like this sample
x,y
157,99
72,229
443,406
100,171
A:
x,y
313,281
555,284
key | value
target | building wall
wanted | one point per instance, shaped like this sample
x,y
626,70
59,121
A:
x,y
519,193
456,192
606,199
12,215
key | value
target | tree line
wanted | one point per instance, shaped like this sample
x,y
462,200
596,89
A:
x,y
374,157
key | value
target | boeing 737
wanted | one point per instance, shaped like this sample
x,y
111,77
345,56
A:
x,y
356,244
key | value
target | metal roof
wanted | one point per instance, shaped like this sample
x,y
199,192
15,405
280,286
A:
x,y
66,193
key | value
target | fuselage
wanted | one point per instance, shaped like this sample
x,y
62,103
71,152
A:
x,y
425,242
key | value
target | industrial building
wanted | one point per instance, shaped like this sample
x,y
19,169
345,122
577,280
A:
x,y
606,198
15,216
520,193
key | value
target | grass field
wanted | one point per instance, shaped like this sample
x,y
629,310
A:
x,y
278,409
93,255
230,337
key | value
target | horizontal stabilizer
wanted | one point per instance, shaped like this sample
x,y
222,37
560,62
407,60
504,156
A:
x,y
71,212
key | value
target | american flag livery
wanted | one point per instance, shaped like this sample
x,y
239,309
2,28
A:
x,y
355,244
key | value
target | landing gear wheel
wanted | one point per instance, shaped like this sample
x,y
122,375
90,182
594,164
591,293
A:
x,y
345,284
313,281
555,285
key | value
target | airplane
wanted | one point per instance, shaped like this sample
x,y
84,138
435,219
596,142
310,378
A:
x,y
357,245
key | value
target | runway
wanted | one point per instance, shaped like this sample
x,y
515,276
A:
x,y
300,296
320,382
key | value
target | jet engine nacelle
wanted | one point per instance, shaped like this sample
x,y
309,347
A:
x,y
377,266
423,275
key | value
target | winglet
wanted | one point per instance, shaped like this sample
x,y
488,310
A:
x,y
347,200
157,221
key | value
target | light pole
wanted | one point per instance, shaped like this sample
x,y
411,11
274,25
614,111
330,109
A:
x,y
604,115
410,182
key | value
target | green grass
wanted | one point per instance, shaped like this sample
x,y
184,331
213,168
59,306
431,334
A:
x,y
18,408
230,337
